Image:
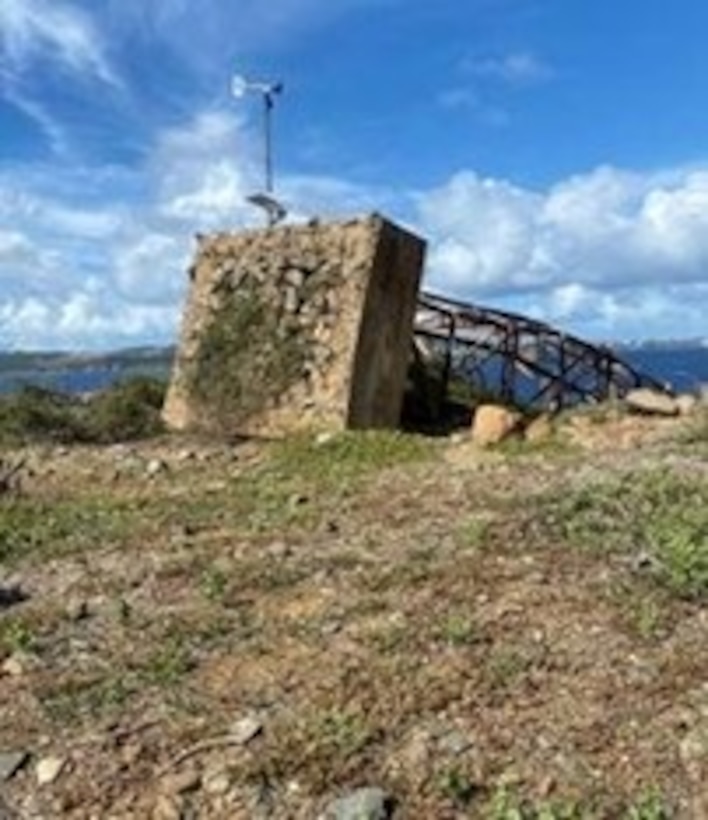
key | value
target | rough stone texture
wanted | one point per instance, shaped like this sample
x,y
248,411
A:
x,y
492,424
349,289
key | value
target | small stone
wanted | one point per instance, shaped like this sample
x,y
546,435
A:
x,y
48,769
540,429
694,754
455,743
686,404
651,402
298,500
217,782
13,666
323,438
369,803
181,783
155,466
243,731
492,424
279,549
77,609
644,560
11,763
166,808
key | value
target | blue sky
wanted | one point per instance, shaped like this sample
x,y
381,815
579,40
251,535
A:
x,y
553,152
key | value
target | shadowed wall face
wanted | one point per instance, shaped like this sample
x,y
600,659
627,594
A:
x,y
298,327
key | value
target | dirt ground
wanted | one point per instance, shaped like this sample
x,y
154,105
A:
x,y
192,629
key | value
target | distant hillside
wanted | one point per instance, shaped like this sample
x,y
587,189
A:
x,y
37,361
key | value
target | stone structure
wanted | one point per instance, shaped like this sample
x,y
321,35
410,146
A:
x,y
297,327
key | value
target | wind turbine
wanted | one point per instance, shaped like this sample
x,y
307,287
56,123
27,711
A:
x,y
240,87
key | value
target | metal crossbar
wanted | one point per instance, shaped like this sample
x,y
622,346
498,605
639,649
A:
x,y
520,361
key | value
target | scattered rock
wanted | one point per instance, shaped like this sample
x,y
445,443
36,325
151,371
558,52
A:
x,y
243,731
181,783
217,782
167,808
155,466
298,500
279,549
11,763
455,743
694,754
540,429
686,404
48,769
77,609
492,424
18,664
651,402
323,438
369,803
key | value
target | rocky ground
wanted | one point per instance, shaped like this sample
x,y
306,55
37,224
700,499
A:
x,y
362,626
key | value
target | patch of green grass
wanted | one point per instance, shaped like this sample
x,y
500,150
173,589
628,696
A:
x,y
507,804
346,732
475,531
649,806
348,455
85,698
30,528
213,583
457,786
300,481
505,666
459,629
169,664
17,635
660,513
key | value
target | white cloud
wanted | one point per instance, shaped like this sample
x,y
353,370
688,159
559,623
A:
x,y
515,68
31,30
609,251
80,320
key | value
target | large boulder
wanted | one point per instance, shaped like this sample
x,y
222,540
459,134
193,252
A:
x,y
651,402
492,424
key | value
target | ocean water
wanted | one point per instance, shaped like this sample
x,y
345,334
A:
x,y
79,380
684,369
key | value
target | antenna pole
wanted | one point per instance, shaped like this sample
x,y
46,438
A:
x,y
274,210
268,126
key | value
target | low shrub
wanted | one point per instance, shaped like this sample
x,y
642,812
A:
x,y
128,410
125,411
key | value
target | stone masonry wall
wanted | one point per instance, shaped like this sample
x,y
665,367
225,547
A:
x,y
323,312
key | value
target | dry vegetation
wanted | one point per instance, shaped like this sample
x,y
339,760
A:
x,y
508,634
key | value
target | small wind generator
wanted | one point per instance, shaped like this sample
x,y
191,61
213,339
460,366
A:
x,y
240,86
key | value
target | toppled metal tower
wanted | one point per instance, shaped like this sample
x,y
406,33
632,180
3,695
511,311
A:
x,y
517,360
